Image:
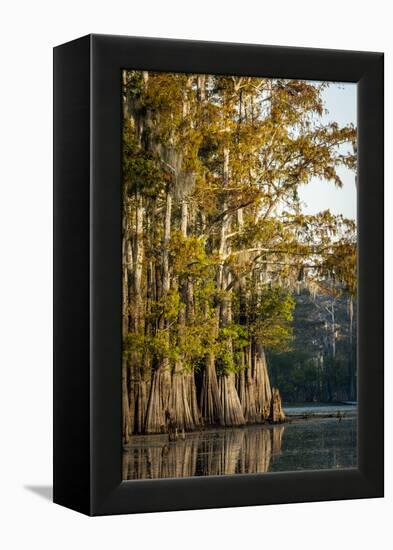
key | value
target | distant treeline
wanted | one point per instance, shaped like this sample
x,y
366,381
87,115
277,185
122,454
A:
x,y
321,365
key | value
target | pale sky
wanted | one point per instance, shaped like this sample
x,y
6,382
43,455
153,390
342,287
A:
x,y
341,102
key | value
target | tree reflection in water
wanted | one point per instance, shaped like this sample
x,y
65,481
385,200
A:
x,y
205,453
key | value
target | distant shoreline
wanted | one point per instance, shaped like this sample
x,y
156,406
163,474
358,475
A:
x,y
305,411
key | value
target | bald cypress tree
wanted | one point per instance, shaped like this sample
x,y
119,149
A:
x,y
215,242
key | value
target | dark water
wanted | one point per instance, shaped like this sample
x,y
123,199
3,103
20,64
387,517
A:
x,y
313,444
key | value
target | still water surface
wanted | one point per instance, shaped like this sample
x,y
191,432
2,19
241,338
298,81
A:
x,y
312,444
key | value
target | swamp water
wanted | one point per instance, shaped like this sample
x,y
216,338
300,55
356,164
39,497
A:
x,y
315,443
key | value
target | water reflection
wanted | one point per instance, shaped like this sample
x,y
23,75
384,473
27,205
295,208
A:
x,y
314,444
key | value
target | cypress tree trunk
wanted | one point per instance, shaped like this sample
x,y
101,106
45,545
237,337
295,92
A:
x,y
179,407
125,273
248,391
138,395
276,411
159,400
241,384
263,392
231,407
126,413
137,384
125,327
141,405
192,399
230,403
211,408
161,382
249,406
183,408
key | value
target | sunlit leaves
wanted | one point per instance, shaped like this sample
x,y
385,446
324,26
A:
x,y
235,153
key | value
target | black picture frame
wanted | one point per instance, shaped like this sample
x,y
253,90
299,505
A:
x,y
87,274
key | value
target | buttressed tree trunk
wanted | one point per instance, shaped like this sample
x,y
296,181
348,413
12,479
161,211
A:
x,y
161,383
231,407
183,407
249,399
211,408
262,384
230,402
276,411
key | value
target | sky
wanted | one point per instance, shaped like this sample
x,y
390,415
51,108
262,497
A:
x,y
341,103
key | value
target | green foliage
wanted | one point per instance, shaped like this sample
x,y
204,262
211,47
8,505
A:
x,y
167,306
188,255
273,316
231,341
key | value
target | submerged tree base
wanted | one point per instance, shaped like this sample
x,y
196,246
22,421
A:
x,y
277,414
176,430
